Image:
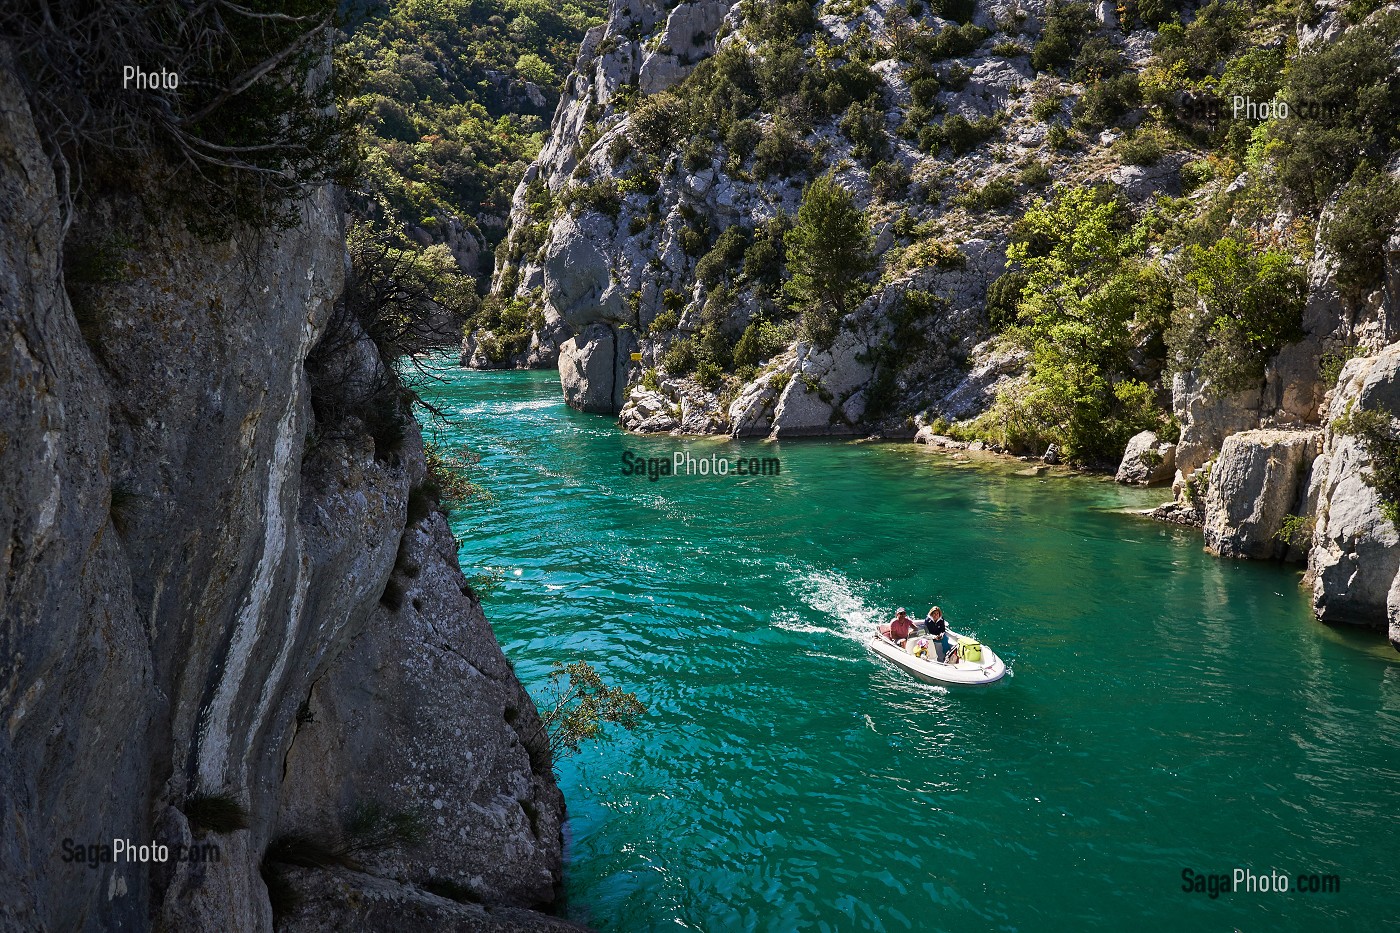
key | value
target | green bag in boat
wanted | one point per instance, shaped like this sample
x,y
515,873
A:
x,y
971,650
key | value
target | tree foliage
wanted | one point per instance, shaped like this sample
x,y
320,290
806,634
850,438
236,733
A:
x,y
581,706
1085,301
828,254
1238,306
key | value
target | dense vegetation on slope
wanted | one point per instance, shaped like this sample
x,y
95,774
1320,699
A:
x,y
455,96
1109,296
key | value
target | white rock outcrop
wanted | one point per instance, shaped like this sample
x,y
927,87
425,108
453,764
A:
x,y
1355,554
1256,482
1147,461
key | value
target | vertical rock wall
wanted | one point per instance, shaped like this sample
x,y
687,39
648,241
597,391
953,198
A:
x,y
193,563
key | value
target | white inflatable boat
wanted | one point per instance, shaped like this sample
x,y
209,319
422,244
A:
x,y
982,667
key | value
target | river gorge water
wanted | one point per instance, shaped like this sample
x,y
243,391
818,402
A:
x,y
1166,711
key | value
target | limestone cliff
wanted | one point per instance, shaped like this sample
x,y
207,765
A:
x,y
612,278
214,592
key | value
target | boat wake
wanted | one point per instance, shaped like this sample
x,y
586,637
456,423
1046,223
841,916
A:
x,y
841,604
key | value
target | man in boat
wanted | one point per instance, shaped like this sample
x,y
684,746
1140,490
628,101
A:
x,y
899,628
937,629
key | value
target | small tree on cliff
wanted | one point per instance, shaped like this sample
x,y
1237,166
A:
x,y
828,253
580,706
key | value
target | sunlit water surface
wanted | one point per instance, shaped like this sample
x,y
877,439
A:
x,y
1166,709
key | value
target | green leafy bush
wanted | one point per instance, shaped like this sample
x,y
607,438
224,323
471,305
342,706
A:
x,y
1082,300
1144,147
724,258
1361,222
864,126
1004,299
1104,101
680,357
1344,106
658,124
958,133
999,192
781,153
889,180
1066,26
1238,306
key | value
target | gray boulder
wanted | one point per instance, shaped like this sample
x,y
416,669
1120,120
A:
x,y
587,370
648,412
338,899
1254,485
1147,461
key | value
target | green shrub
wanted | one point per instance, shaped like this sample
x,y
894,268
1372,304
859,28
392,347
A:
x,y
999,192
782,153
602,196
1035,174
1004,299
680,357
1144,147
1201,46
1066,26
1361,222
889,180
1238,306
658,124
1098,59
1297,531
724,258
1344,107
1105,101
709,374
667,320
1061,137
1046,107
958,133
743,137
1082,300
864,126
959,11
1331,363
764,258
221,813
949,42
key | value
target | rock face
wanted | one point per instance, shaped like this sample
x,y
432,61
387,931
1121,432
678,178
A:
x,y
1256,482
610,226
201,534
1147,461
593,367
1354,558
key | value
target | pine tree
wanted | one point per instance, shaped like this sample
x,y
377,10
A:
x,y
828,253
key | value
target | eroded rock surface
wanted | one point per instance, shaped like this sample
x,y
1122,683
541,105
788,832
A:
x,y
1256,482
200,526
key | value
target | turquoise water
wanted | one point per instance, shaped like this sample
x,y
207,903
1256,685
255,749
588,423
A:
x,y
1166,710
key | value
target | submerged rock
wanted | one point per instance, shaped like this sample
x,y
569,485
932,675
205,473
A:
x,y
1255,484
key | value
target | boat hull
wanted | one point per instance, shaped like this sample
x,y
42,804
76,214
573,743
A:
x,y
989,670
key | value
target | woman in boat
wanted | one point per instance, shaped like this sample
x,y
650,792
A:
x,y
937,629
